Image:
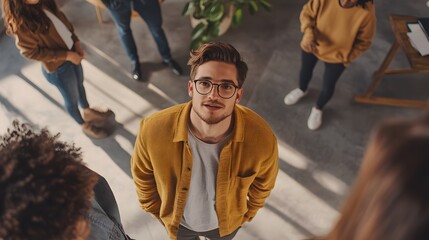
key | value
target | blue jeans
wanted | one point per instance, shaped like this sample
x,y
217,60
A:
x,y
68,78
331,75
150,11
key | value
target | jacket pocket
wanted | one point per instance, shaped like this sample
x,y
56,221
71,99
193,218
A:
x,y
238,193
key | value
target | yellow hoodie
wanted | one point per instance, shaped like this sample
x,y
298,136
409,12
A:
x,y
341,34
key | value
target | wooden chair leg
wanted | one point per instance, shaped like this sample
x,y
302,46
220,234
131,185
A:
x,y
99,16
381,71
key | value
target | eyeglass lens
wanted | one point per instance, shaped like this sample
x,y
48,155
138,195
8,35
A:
x,y
225,90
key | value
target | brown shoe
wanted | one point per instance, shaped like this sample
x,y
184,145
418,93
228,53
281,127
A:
x,y
92,131
97,115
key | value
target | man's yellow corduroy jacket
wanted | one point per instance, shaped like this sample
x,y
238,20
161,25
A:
x,y
162,165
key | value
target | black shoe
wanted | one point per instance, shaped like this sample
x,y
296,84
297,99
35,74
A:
x,y
175,67
136,73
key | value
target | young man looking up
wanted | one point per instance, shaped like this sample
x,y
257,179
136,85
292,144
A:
x,y
205,167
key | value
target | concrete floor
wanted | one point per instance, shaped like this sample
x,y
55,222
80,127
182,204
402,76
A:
x,y
316,168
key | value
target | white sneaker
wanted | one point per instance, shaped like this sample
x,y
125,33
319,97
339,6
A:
x,y
294,96
315,119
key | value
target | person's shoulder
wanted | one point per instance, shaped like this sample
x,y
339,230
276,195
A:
x,y
167,114
253,120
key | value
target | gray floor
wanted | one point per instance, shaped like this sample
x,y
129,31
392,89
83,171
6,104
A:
x,y
317,168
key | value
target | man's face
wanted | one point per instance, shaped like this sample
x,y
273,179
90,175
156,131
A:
x,y
211,108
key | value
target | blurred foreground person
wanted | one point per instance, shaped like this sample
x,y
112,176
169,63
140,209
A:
x,y
390,199
46,191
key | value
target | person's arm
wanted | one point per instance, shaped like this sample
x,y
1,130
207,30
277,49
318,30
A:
x,y
28,46
143,175
263,183
76,46
363,39
308,23
66,22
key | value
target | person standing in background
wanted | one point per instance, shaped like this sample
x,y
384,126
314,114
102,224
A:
x,y
150,11
335,32
43,33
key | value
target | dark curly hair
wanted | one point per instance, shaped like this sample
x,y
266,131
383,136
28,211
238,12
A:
x,y
45,189
218,51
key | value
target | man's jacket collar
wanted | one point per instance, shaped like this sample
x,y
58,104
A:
x,y
181,128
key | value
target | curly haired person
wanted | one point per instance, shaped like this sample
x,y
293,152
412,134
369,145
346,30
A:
x,y
46,191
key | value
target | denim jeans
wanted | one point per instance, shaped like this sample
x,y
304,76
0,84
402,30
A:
x,y
150,11
331,75
68,78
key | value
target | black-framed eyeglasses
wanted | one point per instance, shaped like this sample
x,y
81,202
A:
x,y
225,89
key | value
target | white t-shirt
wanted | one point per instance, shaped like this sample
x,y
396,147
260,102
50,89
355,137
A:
x,y
200,210
62,30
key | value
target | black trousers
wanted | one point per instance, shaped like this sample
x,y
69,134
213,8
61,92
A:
x,y
186,234
331,75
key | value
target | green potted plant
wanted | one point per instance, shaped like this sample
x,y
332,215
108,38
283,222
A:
x,y
211,18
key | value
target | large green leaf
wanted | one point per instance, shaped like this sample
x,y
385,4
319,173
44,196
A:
x,y
236,19
265,5
253,7
199,30
187,9
213,29
217,12
196,43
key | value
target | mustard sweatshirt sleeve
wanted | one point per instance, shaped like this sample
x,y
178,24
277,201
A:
x,y
308,21
364,37
29,47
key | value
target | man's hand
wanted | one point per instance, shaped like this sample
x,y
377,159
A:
x,y
74,57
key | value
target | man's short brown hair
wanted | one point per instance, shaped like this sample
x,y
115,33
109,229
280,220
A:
x,y
218,51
